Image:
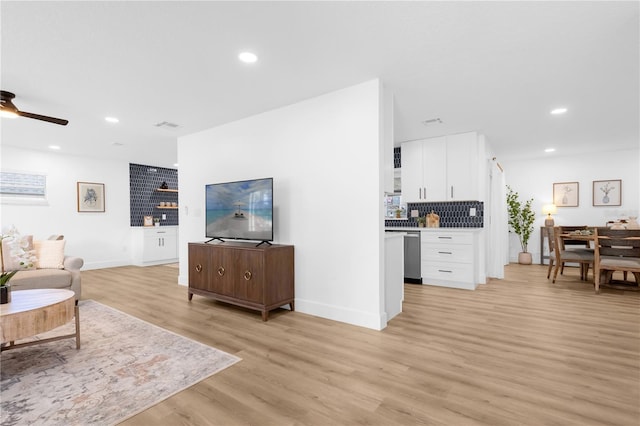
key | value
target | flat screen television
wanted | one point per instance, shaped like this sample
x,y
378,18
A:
x,y
240,210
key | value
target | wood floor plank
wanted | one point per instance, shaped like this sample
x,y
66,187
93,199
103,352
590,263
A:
x,y
515,351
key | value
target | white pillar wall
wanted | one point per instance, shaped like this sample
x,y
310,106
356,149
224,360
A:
x,y
325,158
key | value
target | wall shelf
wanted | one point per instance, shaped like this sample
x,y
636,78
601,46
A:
x,y
165,207
166,190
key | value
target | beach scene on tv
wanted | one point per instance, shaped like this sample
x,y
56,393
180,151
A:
x,y
242,210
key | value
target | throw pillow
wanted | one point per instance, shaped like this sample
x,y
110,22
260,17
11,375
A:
x,y
14,250
50,254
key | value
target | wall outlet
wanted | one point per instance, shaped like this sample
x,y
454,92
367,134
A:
x,y
164,216
472,211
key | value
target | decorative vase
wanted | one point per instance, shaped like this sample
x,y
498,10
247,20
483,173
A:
x,y
525,258
5,294
605,199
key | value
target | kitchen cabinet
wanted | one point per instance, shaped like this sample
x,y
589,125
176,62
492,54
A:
x,y
260,278
154,245
450,258
445,168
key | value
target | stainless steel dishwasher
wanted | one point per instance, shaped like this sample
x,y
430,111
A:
x,y
412,258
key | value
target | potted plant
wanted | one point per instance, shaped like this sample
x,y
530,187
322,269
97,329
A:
x,y
422,220
521,220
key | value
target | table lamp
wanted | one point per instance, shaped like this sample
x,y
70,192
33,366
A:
x,y
549,209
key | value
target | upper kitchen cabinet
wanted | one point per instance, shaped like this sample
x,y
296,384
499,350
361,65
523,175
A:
x,y
445,168
424,170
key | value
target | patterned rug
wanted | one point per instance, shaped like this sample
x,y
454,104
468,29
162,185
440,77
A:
x,y
125,365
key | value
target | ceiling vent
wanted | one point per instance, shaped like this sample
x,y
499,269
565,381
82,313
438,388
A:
x,y
167,125
432,121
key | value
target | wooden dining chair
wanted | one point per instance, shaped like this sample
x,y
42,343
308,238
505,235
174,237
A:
x,y
559,255
574,244
616,250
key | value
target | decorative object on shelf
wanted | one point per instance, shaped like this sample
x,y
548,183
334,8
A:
x,y
607,192
174,204
161,203
521,220
164,185
156,221
148,221
91,197
565,194
433,220
422,221
549,209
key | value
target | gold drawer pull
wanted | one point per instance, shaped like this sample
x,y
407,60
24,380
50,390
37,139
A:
x,y
247,275
221,271
198,267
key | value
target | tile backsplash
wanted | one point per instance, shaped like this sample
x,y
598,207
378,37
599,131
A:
x,y
453,214
144,199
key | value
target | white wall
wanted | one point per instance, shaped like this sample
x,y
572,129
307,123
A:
x,y
535,178
325,157
101,239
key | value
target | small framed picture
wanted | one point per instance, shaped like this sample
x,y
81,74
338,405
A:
x,y
565,194
607,192
148,221
91,197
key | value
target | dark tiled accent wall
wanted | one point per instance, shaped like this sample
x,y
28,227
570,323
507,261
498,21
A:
x,y
144,199
453,214
397,163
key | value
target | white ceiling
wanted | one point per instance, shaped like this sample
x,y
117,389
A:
x,y
494,67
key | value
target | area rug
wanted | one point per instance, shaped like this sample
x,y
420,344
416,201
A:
x,y
125,365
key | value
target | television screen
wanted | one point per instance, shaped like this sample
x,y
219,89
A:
x,y
240,210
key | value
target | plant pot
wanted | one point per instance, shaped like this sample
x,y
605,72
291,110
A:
x,y
525,258
5,294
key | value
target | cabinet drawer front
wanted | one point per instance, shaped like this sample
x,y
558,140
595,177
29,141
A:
x,y
447,237
160,231
461,253
447,271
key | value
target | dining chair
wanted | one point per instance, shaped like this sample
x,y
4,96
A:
x,y
570,244
558,255
616,250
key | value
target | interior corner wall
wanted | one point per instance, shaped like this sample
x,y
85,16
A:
x,y
324,157
101,239
534,178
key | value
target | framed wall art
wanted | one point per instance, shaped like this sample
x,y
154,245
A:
x,y
90,197
607,192
147,221
565,194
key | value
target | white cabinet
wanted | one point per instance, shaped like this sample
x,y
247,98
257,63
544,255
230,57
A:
x,y
449,258
424,170
442,169
154,245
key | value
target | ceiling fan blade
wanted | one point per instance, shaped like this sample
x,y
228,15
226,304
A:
x,y
53,120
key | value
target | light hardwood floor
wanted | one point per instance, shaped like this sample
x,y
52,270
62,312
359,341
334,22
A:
x,y
518,351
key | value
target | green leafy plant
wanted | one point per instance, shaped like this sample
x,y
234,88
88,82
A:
x,y
521,217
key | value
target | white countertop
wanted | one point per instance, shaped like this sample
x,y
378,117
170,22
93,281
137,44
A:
x,y
388,235
406,229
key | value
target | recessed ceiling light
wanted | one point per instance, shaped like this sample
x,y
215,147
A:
x,y
549,150
112,119
558,111
248,57
54,147
175,165
117,144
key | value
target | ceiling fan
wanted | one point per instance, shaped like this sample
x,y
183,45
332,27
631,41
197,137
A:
x,y
8,109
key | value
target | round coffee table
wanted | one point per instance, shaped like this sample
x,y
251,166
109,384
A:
x,y
32,312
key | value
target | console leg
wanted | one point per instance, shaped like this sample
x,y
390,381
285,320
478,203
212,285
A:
x,y
190,296
265,315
